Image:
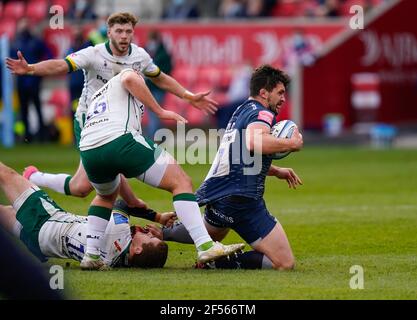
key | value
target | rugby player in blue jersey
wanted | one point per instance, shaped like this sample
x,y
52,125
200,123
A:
x,y
233,189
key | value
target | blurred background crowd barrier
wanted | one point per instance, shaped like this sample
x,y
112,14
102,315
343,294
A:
x,y
344,80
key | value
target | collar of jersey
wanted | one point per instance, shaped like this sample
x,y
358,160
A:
x,y
107,44
124,256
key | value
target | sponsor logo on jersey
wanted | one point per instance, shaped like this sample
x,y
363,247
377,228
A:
x,y
266,116
120,219
102,79
117,245
136,66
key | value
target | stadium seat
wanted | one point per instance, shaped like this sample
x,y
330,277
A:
x,y
60,98
14,10
173,103
225,77
195,117
65,4
345,6
286,8
36,10
209,75
185,75
220,97
8,27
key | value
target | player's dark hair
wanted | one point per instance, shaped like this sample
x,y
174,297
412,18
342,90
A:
x,y
267,77
121,18
152,256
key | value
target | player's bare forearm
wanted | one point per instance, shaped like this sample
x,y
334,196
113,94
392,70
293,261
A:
x,y
259,140
126,192
138,88
168,83
199,100
53,67
273,171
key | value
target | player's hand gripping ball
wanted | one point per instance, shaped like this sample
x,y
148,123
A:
x,y
283,129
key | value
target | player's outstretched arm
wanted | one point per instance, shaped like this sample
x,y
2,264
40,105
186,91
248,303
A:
x,y
200,100
51,67
135,84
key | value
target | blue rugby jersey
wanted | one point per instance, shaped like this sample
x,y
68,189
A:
x,y
235,170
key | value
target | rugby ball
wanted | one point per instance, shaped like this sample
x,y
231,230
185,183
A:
x,y
282,129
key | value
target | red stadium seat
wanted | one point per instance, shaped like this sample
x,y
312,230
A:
x,y
196,117
173,103
65,4
209,75
345,7
14,10
60,98
185,75
287,8
8,27
225,77
36,10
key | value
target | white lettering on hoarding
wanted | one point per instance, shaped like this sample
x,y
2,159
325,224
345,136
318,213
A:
x,y
206,49
398,49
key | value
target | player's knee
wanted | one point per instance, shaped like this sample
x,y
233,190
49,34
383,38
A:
x,y
81,190
6,173
284,264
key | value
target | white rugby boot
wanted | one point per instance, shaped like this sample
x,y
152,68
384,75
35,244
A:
x,y
218,250
91,262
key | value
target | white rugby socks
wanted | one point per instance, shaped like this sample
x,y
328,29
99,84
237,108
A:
x,y
98,218
188,212
56,182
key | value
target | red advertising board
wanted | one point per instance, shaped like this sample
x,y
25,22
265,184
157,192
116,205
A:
x,y
387,49
202,44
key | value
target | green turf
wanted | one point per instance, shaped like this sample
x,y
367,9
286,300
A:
x,y
356,207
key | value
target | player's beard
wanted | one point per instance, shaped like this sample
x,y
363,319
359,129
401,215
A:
x,y
118,48
274,107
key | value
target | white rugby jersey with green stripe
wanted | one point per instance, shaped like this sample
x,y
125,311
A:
x,y
64,236
112,113
98,64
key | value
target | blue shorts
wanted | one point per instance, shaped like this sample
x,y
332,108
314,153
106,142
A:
x,y
248,217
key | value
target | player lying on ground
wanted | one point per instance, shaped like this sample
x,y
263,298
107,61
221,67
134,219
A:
x,y
49,231
98,64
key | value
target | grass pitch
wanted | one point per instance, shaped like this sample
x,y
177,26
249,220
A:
x,y
356,207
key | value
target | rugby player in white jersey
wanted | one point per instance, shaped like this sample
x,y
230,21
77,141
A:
x,y
48,231
112,145
98,65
